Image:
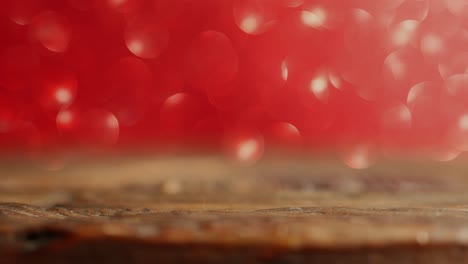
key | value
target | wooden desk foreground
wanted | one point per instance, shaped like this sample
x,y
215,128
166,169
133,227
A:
x,y
203,210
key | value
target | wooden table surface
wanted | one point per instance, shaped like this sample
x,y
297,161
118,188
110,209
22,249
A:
x,y
204,210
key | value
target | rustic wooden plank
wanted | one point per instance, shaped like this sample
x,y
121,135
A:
x,y
204,210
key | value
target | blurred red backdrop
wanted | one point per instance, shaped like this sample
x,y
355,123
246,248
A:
x,y
361,78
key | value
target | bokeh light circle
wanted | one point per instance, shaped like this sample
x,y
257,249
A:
x,y
146,38
52,31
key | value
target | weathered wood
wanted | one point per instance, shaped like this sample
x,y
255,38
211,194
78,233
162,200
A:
x,y
206,211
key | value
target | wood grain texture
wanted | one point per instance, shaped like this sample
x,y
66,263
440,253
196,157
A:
x,y
203,210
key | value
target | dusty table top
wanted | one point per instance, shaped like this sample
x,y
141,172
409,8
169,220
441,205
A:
x,y
203,210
